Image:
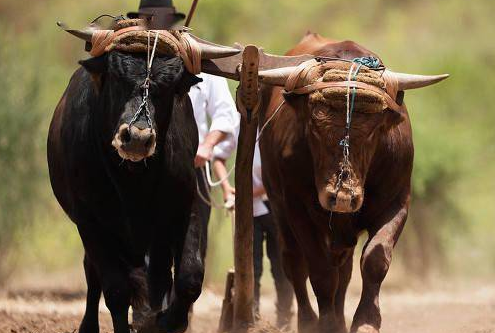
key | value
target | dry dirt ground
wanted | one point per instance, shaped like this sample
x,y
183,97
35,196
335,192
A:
x,y
440,310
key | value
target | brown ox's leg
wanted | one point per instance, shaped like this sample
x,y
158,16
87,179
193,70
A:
x,y
324,281
296,271
375,261
345,273
323,276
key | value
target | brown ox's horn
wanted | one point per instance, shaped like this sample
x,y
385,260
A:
x,y
211,50
279,76
412,81
276,77
84,34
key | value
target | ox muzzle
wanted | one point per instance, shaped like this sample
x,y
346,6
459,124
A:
x,y
136,142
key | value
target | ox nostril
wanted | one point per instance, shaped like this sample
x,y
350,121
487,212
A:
x,y
333,199
354,202
149,142
125,136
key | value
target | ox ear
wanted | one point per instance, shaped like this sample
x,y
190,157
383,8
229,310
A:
x,y
184,85
393,118
95,67
171,72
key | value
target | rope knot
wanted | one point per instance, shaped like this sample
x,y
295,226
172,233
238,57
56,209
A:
x,y
370,62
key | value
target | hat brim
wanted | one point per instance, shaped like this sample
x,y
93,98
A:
x,y
155,11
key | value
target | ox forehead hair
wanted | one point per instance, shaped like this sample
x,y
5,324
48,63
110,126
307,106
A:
x,y
132,67
366,101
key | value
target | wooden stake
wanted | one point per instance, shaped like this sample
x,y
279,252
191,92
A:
x,y
191,13
247,102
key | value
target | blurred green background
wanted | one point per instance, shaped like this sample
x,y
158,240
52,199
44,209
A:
x,y
450,229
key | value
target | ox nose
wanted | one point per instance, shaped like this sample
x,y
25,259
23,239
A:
x,y
135,143
343,201
141,138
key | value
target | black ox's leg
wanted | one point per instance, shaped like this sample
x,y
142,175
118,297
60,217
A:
x,y
375,261
190,249
159,273
113,276
89,323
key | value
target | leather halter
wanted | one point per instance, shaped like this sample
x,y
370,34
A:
x,y
389,93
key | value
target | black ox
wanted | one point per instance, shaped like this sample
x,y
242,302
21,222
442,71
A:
x,y
131,190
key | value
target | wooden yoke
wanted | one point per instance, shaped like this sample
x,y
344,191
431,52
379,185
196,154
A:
x,y
248,102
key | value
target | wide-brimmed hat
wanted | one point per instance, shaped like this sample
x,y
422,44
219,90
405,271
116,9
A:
x,y
162,10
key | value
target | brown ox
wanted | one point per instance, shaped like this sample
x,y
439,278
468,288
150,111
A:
x,y
301,159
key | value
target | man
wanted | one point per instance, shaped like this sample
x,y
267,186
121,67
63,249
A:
x,y
214,109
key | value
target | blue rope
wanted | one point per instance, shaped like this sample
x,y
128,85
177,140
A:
x,y
370,62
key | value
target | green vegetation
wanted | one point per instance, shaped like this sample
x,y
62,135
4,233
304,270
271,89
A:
x,y
449,230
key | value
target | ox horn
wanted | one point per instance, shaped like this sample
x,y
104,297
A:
x,y
279,76
276,77
208,50
413,81
84,34
211,50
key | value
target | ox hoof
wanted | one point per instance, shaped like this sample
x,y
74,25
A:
x,y
147,326
171,321
366,329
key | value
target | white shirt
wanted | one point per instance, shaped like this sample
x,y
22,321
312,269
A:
x,y
259,208
214,108
227,147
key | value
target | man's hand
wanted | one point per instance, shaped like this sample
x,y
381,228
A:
x,y
228,196
205,153
205,149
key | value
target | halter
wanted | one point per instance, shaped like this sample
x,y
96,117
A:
x,y
143,107
352,85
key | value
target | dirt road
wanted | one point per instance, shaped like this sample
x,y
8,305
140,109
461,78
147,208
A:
x,y
432,311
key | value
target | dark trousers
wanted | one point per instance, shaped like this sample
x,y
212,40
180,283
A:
x,y
265,229
201,208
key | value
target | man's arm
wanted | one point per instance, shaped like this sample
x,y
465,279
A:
x,y
220,169
258,191
205,149
224,119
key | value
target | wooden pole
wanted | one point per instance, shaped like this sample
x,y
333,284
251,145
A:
x,y
247,103
191,13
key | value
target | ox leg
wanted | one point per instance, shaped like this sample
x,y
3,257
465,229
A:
x,y
113,276
296,270
345,273
89,323
159,273
324,281
375,261
190,248
322,275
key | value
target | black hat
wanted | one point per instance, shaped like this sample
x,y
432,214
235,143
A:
x,y
161,12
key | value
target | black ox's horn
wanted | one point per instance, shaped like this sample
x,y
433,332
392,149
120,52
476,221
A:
x,y
208,50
